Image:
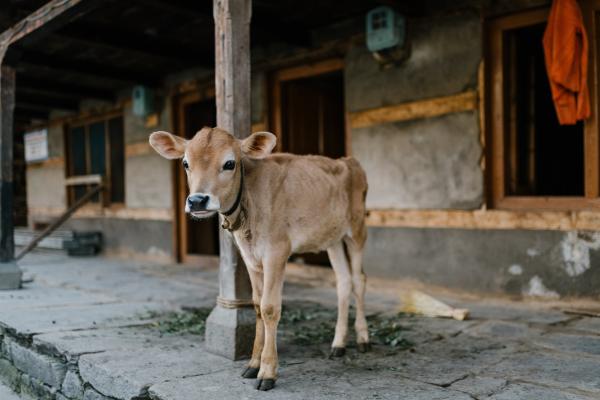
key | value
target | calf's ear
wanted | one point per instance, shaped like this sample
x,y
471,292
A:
x,y
168,145
258,145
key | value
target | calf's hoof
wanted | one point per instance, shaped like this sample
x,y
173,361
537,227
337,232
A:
x,y
250,373
265,384
363,347
337,352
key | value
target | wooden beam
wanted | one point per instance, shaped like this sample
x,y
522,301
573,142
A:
x,y
197,10
268,28
54,162
94,179
309,69
49,17
28,114
45,102
28,84
137,149
41,108
266,25
591,126
466,101
485,219
116,38
7,107
72,65
94,211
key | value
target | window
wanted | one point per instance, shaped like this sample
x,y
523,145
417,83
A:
x,y
533,161
97,148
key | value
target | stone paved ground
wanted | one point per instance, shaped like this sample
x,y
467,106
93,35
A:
x,y
92,328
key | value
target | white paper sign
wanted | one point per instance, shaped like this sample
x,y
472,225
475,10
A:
x,y
36,146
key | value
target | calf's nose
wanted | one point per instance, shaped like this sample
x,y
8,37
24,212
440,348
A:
x,y
197,202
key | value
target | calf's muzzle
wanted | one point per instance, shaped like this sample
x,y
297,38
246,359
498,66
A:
x,y
197,202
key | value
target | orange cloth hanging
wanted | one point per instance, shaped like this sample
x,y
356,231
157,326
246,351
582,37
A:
x,y
566,53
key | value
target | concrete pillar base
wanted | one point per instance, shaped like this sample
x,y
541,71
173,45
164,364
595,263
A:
x,y
10,276
230,332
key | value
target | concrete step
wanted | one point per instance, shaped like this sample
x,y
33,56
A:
x,y
54,241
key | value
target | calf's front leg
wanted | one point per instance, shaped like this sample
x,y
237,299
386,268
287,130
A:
x,y
256,279
270,310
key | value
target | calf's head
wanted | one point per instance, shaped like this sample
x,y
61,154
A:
x,y
212,160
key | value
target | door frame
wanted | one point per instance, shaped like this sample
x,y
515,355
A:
x,y
180,244
305,70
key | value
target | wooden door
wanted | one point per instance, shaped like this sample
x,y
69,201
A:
x,y
197,238
312,115
311,119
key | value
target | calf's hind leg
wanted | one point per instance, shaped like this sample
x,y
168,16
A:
x,y
359,280
339,262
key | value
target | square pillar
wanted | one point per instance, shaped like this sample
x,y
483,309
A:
x,y
10,274
230,326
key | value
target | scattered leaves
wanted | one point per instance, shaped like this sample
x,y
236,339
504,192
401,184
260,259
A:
x,y
388,331
184,322
315,324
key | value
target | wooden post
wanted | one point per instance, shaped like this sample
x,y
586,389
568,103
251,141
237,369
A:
x,y
230,326
10,274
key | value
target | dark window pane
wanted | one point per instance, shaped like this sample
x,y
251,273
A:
x,y
79,191
544,158
97,138
97,149
88,147
77,151
117,160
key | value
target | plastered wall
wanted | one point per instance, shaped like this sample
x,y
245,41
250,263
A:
x,y
422,163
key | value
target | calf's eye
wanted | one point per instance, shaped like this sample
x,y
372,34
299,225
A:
x,y
185,164
229,165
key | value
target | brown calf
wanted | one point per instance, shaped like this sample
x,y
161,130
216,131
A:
x,y
276,205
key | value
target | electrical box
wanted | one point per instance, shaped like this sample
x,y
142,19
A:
x,y
385,29
143,101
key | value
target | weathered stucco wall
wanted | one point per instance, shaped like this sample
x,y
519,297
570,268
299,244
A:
x,y
46,184
135,127
430,163
46,187
528,262
136,238
423,163
445,55
148,180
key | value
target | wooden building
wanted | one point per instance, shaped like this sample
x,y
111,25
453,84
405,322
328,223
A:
x,y
472,182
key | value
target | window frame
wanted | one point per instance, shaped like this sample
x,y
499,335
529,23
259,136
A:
x,y
497,126
86,122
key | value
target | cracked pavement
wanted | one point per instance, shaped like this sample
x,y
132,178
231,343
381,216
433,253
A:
x,y
84,328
